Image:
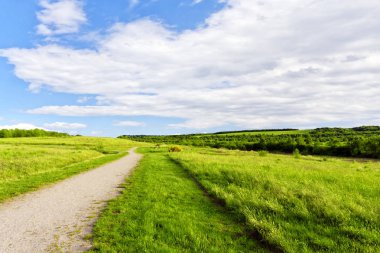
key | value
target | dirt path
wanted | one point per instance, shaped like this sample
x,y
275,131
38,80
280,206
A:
x,y
56,218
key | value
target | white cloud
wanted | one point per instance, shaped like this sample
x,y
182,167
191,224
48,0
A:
x,y
64,126
60,17
83,100
133,3
253,64
96,133
24,126
197,1
129,124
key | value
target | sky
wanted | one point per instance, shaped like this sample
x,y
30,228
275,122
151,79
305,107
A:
x,y
107,68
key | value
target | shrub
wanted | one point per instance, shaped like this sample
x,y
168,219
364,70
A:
x,y
175,149
296,153
263,153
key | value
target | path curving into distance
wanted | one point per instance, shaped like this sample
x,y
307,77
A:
x,y
56,218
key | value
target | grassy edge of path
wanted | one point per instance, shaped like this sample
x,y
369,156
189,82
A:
x,y
163,210
14,188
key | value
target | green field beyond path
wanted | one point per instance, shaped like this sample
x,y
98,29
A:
x,y
287,203
28,163
305,204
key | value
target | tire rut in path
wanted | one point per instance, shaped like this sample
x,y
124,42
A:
x,y
57,218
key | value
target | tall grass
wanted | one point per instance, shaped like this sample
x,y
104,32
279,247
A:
x,y
297,205
163,210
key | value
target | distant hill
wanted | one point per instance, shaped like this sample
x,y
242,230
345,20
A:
x,y
17,133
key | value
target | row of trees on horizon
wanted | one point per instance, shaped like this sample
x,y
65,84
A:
x,y
17,133
348,142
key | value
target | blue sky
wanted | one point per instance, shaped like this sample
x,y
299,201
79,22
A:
x,y
164,67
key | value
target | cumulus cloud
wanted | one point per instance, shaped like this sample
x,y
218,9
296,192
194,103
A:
x,y
24,126
254,64
129,124
64,126
60,17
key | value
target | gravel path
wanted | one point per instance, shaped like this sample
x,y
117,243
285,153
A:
x,y
57,218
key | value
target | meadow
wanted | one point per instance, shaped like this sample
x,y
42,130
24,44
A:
x,y
216,200
295,204
162,209
199,199
29,163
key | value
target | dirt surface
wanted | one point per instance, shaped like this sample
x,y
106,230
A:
x,y
58,218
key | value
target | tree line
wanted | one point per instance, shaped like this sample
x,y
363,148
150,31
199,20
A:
x,y
16,133
351,142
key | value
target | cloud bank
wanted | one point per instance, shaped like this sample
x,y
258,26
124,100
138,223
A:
x,y
64,126
130,124
254,64
56,126
24,126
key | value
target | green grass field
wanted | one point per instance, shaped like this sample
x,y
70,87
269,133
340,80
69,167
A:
x,y
163,210
287,204
28,163
297,205
211,200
